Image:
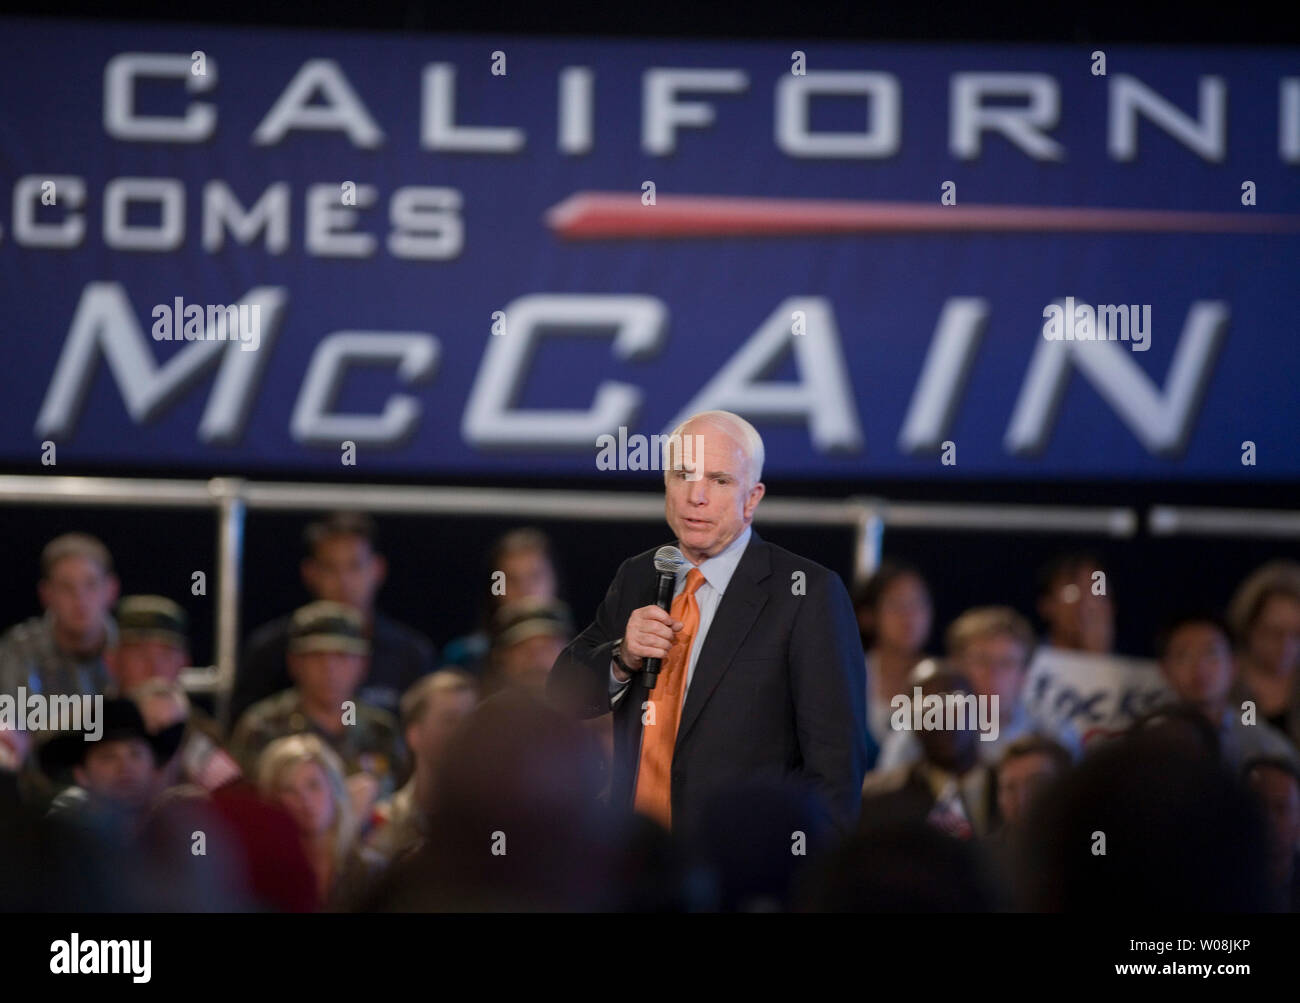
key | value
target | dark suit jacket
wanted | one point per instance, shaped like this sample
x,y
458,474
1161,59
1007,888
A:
x,y
902,796
778,690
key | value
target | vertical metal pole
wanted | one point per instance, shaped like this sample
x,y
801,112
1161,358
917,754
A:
x,y
230,556
868,541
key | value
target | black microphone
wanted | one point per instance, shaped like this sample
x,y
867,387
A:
x,y
667,561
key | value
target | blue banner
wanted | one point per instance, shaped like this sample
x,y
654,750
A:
x,y
230,250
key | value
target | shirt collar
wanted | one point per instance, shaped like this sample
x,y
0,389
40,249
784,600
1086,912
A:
x,y
718,569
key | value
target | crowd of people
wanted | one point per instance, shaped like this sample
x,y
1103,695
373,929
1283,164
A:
x,y
362,767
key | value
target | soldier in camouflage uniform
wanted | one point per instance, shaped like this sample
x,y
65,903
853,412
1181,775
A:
x,y
152,650
152,643
327,661
61,653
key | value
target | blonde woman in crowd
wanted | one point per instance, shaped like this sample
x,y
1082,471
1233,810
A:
x,y
305,777
1264,616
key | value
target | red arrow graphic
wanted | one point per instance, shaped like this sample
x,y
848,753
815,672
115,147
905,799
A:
x,y
620,215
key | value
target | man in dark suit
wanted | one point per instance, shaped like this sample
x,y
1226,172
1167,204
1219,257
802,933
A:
x,y
948,787
762,673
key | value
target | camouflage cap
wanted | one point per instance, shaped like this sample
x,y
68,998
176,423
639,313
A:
x,y
327,626
518,621
152,618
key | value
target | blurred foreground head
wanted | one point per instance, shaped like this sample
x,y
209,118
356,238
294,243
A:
x,y
755,840
1148,821
516,824
904,866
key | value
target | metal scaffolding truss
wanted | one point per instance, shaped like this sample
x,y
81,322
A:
x,y
230,499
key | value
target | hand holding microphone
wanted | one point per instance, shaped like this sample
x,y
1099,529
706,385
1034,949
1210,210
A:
x,y
649,636
651,629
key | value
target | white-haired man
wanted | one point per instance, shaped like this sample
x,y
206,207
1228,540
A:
x,y
761,676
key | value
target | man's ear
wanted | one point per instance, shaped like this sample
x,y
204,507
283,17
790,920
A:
x,y
114,588
755,496
380,570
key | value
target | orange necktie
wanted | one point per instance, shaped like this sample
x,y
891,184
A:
x,y
659,731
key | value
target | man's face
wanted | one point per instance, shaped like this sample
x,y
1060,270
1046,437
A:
x,y
428,736
529,575
1198,665
137,661
903,622
710,511
1280,797
304,792
327,678
79,593
527,663
1078,619
344,569
119,771
1019,781
1274,640
995,665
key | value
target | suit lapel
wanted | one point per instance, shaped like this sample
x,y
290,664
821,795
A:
x,y
735,615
